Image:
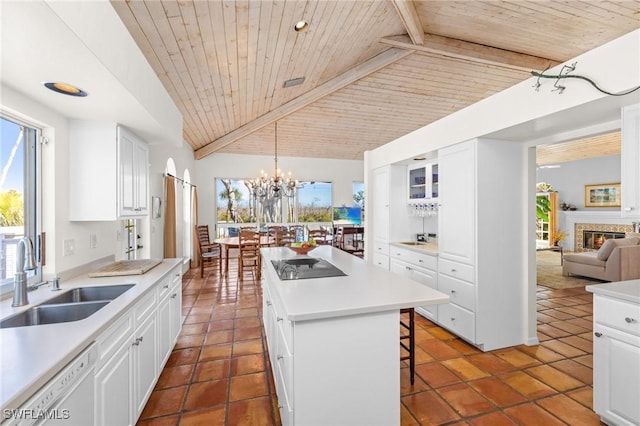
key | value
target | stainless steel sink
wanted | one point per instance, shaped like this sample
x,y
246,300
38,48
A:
x,y
53,314
90,294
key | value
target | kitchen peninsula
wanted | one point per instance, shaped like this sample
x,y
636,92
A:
x,y
343,332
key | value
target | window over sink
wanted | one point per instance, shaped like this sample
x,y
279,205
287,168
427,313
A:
x,y
19,201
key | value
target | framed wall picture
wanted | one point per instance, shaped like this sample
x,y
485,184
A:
x,y
602,195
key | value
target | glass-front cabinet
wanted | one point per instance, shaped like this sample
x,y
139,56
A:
x,y
422,182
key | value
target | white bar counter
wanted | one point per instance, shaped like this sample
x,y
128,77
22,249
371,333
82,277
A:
x,y
334,342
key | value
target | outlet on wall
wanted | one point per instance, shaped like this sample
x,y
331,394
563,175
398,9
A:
x,y
69,247
93,241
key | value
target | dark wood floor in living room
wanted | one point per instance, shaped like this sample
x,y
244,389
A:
x,y
218,373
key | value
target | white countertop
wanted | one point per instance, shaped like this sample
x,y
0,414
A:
x,y
624,290
366,288
31,356
429,248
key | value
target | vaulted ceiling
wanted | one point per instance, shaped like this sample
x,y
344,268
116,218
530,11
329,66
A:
x,y
373,70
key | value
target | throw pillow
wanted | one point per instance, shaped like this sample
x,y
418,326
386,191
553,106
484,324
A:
x,y
608,246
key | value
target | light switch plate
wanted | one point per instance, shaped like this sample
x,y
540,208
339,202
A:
x,y
69,247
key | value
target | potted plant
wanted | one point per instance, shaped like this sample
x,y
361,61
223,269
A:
x,y
558,236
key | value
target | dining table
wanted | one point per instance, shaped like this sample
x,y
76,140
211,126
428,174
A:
x,y
234,242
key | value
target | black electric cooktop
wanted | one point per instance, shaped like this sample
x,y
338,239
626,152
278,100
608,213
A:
x,y
299,268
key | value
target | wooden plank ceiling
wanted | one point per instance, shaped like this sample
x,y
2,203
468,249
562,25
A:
x,y
373,70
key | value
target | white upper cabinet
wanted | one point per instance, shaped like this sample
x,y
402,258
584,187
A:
x,y
108,172
630,168
133,174
422,182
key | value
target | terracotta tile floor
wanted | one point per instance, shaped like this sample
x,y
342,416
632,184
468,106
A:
x,y
218,372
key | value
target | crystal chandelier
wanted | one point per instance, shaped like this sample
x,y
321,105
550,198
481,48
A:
x,y
265,188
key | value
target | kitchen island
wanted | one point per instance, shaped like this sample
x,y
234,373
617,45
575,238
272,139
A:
x,y
333,342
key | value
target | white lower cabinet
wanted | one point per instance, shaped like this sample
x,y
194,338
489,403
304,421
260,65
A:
x,y
616,361
133,351
114,392
419,267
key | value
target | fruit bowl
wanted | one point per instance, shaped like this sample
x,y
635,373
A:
x,y
302,250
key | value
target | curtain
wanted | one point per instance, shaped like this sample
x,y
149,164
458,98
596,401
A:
x,y
195,257
169,217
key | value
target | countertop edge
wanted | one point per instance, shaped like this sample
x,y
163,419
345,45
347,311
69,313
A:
x,y
427,248
623,290
371,310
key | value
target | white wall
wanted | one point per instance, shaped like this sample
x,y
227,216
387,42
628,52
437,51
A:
x,y
341,172
571,177
183,159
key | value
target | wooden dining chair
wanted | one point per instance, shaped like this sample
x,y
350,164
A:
x,y
285,238
319,235
210,253
249,252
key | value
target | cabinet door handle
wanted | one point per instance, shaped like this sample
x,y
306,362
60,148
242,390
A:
x,y
138,340
279,357
598,334
174,295
269,303
454,270
278,318
453,291
630,320
420,261
165,286
408,268
453,319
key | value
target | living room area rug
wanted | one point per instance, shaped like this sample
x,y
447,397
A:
x,y
549,273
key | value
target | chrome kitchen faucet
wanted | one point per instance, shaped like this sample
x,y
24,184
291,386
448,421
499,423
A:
x,y
25,261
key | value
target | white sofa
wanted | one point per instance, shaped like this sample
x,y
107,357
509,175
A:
x,y
617,260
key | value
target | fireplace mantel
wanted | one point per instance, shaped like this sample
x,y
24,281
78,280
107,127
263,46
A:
x,y
595,217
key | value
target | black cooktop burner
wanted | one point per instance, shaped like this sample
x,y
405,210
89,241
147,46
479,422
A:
x,y
298,268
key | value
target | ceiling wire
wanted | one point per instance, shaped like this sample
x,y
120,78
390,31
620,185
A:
x,y
570,68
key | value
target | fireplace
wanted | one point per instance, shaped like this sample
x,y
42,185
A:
x,y
593,240
591,236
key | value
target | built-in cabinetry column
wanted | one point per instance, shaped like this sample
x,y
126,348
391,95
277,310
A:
x,y
389,211
630,168
480,265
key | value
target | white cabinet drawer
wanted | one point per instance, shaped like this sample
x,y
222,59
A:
x,y
455,269
458,320
381,260
461,293
422,260
111,340
618,314
145,307
381,248
164,287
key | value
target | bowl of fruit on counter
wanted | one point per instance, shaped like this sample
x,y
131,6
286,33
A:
x,y
303,247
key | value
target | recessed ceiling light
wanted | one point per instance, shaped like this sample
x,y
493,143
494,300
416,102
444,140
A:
x,y
65,89
301,26
293,82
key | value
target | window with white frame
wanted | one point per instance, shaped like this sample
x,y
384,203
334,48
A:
x,y
19,202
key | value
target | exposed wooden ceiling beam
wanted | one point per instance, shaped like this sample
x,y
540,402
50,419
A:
x,y
359,71
410,19
472,52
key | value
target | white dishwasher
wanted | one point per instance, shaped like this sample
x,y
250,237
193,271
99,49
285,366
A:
x,y
67,399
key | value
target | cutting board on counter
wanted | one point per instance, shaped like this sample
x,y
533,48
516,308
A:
x,y
126,267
